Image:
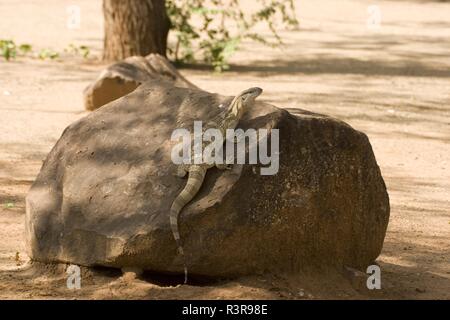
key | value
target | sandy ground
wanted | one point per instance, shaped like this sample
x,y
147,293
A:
x,y
392,83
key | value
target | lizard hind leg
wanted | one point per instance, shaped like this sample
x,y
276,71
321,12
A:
x,y
181,171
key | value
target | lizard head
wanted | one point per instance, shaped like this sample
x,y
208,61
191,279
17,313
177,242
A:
x,y
243,99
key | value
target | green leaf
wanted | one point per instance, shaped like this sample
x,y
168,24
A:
x,y
7,49
85,51
48,53
9,205
213,29
25,48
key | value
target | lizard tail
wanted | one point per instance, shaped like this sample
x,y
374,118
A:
x,y
195,180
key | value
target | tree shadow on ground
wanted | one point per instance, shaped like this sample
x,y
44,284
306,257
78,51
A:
x,y
322,64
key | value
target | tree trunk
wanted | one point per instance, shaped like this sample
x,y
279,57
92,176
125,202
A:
x,y
134,27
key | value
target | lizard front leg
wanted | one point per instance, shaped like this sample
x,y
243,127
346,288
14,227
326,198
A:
x,y
224,166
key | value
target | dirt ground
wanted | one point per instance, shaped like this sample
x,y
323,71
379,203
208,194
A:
x,y
391,82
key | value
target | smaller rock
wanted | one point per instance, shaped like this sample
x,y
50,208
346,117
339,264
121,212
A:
x,y
125,76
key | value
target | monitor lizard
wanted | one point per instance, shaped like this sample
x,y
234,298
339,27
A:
x,y
228,119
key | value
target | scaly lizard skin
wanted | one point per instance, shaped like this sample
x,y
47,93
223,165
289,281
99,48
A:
x,y
228,119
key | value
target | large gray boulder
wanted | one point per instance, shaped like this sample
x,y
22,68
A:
x,y
103,195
